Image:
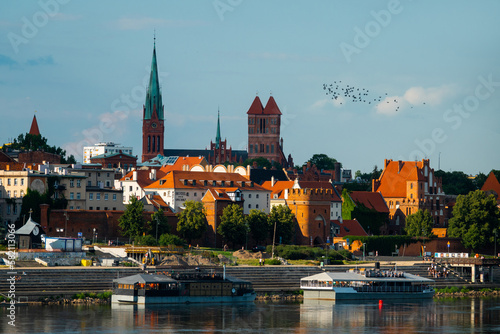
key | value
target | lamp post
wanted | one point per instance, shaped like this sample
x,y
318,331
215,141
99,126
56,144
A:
x,y
364,244
274,238
93,236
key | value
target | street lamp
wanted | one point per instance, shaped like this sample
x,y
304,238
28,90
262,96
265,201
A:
x,y
364,244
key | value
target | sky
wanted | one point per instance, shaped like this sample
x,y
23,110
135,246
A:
x,y
429,69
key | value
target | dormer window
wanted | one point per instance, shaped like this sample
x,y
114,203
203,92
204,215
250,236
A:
x,y
214,183
242,184
231,183
185,182
194,182
222,183
205,183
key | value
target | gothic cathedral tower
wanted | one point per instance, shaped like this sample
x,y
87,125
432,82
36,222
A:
x,y
264,131
152,120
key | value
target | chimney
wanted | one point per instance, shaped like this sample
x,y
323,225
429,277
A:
x,y
272,181
134,175
337,172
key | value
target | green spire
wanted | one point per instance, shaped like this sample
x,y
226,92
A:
x,y
217,136
153,95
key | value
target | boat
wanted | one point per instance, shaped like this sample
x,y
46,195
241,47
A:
x,y
366,284
179,288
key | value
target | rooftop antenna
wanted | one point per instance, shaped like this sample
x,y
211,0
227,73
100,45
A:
x,y
439,161
154,38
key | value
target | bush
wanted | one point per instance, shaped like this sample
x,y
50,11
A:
x,y
146,240
292,252
171,239
274,262
104,295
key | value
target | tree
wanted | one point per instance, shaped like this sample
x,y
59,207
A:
x,y
131,222
233,226
37,142
475,216
32,201
323,161
171,239
455,183
419,224
259,225
284,219
159,223
261,162
192,220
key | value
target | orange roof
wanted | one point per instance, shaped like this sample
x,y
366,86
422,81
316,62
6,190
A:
x,y
393,180
184,180
349,227
271,107
216,195
143,176
256,108
371,200
182,161
158,202
278,187
492,183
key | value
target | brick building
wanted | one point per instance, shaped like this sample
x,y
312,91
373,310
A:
x,y
409,186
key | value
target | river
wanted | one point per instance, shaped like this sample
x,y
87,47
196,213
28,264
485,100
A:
x,y
480,315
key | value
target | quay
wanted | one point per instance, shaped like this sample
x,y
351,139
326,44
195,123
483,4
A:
x,y
38,282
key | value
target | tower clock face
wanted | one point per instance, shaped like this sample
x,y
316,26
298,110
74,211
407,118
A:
x,y
153,125
35,230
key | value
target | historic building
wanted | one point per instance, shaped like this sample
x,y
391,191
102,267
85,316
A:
x,y
409,186
220,152
492,186
264,139
153,128
105,149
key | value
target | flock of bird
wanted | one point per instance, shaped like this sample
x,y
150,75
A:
x,y
356,94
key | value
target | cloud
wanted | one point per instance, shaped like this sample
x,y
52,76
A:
x,y
48,60
139,23
7,61
414,97
326,103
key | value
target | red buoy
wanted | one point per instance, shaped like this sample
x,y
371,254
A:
x,y
380,303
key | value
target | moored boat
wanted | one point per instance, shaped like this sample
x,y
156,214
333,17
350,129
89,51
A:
x,y
366,284
189,287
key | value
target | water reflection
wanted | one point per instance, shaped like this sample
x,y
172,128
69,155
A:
x,y
434,316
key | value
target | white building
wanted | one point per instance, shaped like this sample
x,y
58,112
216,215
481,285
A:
x,y
103,148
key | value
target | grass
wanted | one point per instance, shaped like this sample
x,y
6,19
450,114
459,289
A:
x,y
83,295
304,262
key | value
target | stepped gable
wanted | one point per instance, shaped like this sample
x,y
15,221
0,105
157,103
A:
x,y
256,108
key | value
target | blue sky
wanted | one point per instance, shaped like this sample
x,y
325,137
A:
x,y
83,66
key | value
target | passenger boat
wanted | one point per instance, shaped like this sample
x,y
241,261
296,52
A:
x,y
189,287
366,284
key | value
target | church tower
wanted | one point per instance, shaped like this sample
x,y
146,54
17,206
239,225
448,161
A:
x,y
264,132
152,120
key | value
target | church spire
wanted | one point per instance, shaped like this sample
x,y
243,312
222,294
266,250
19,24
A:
x,y
217,136
153,96
34,127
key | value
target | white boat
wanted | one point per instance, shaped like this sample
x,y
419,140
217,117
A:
x,y
181,288
366,284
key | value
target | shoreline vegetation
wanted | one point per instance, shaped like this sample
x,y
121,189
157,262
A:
x,y
86,298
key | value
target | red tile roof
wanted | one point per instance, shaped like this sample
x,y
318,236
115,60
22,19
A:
x,y
492,183
216,195
271,107
279,186
182,161
393,180
256,108
143,177
349,227
371,200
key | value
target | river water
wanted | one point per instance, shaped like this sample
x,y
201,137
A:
x,y
434,316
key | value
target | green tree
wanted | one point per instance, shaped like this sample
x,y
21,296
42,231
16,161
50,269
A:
x,y
192,221
475,216
233,226
284,219
37,142
32,201
171,239
261,162
258,224
159,223
323,161
131,222
479,180
419,224
455,183
146,240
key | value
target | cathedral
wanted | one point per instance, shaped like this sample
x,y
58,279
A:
x,y
263,131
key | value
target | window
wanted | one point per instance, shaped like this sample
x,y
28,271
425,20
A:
x,y
249,195
98,208
105,197
78,183
78,208
71,196
71,207
257,206
15,182
195,194
114,197
8,193
91,197
91,208
130,188
267,148
272,147
187,194
22,193
223,183
98,196
257,196
214,183
89,183
8,182
71,183
185,182
22,182
15,193
78,196
105,208
249,206
107,174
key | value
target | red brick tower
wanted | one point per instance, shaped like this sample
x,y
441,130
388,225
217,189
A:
x,y
152,122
